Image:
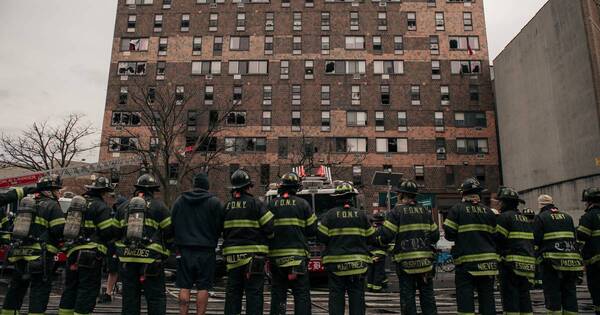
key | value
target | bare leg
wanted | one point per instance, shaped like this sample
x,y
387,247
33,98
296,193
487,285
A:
x,y
201,302
111,282
184,301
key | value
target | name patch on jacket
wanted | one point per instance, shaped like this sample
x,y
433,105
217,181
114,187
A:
x,y
351,265
24,252
136,252
415,264
487,266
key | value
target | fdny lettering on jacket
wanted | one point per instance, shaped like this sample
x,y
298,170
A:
x,y
285,203
234,204
347,214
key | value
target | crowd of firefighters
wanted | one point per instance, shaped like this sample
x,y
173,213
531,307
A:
x,y
506,245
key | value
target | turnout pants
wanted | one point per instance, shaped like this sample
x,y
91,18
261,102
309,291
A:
x,y
35,281
409,284
152,287
560,290
593,283
300,289
354,286
466,285
376,278
81,288
515,292
238,285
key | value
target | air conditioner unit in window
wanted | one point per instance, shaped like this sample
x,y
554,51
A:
x,y
441,151
213,6
480,156
382,4
356,76
237,76
385,77
240,5
123,78
132,7
208,77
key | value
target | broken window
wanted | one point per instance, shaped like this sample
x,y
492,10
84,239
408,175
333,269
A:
x,y
123,95
122,144
134,44
245,144
465,67
236,119
132,68
126,119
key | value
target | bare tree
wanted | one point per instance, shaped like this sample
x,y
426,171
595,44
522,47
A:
x,y
44,146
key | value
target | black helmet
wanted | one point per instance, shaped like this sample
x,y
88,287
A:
x,y
146,182
240,179
590,194
290,180
100,184
49,182
471,186
528,212
408,187
507,193
378,217
344,189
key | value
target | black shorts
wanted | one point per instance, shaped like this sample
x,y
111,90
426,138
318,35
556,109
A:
x,y
111,260
196,267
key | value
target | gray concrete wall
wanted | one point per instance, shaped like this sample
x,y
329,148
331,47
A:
x,y
547,113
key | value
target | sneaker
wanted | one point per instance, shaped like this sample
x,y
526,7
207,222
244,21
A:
x,y
105,299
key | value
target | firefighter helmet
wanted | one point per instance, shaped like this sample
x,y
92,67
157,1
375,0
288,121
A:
x,y
49,182
290,180
344,189
408,187
471,186
100,184
25,218
146,182
528,212
507,193
240,179
75,218
590,194
378,217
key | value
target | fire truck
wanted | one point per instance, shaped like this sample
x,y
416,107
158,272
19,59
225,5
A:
x,y
316,189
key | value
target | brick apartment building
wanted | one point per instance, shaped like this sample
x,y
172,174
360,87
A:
x,y
364,85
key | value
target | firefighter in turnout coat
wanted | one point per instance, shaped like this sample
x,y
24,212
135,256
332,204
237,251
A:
x,y
514,237
346,232
554,235
146,234
294,222
248,226
471,225
376,277
6,198
588,232
89,228
415,234
36,232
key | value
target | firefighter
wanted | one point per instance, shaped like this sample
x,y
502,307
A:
x,y
514,238
36,232
88,229
247,228
146,234
471,226
346,233
198,223
529,214
589,233
376,277
111,260
294,222
6,198
415,233
554,235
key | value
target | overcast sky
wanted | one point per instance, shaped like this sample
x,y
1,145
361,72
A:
x,y
54,59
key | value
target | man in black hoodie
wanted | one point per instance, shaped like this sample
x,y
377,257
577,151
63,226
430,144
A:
x,y
198,222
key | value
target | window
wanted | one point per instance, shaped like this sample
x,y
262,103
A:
x,y
236,119
122,144
419,172
411,18
131,21
480,173
434,45
392,145
415,94
439,121
161,69
468,43
398,45
325,21
297,45
384,91
450,175
138,2
309,69
237,94
439,21
217,45
240,22
282,147
213,118
354,22
209,94
471,146
431,3
268,45
355,42
445,95
388,66
134,44
296,94
470,119
285,3
125,119
185,22
356,95
325,94
179,95
351,145
206,67
377,45
402,122
468,21
296,120
356,119
269,21
379,121
266,121
474,92
436,72
213,22
158,23
325,121
381,21
248,67
245,144
167,4
208,144
132,68
325,45
267,94
345,67
297,21
465,67
239,43
151,95
284,69
356,175
388,168
154,144
197,46
192,119
265,174
123,95
163,43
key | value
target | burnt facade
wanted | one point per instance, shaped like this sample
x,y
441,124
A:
x,y
361,86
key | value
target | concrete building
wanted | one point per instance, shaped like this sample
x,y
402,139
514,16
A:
x,y
363,85
547,85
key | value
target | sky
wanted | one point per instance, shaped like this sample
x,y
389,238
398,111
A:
x,y
54,60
